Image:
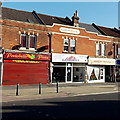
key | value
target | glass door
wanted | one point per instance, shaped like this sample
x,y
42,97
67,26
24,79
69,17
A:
x,y
69,72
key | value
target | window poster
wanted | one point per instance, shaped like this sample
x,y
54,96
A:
x,y
93,73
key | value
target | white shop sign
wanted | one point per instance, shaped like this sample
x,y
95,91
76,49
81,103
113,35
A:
x,y
56,57
69,30
101,61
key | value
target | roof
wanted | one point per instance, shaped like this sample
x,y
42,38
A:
x,y
37,18
89,27
18,15
33,17
114,32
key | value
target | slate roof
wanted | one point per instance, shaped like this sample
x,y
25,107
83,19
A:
x,y
114,32
33,17
18,15
36,18
89,27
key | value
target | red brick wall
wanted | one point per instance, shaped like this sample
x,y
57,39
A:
x,y
85,43
11,36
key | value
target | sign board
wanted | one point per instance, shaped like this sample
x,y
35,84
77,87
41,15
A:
x,y
23,61
69,30
56,57
26,56
101,61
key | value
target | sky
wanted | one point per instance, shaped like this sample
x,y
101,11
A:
x,y
101,13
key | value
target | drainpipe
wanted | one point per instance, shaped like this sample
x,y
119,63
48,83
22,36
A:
x,y
50,52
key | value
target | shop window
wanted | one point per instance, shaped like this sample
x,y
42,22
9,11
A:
x,y
69,45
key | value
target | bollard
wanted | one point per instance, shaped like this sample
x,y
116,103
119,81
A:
x,y
57,86
17,91
40,88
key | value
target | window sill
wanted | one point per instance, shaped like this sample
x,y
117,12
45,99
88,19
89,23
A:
x,y
25,49
22,48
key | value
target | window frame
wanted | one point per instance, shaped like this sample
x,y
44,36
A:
x,y
35,41
69,45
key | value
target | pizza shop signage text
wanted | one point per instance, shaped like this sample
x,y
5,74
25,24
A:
x,y
26,56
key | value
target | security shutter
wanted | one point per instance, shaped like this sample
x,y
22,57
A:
x,y
14,73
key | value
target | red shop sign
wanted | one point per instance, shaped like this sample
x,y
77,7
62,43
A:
x,y
26,56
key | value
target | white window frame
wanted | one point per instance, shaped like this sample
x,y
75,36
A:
x,y
103,49
30,43
66,45
23,48
71,45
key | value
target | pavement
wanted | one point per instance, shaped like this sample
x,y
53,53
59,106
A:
x,y
30,92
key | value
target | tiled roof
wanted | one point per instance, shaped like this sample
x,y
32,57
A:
x,y
18,15
89,27
114,32
32,17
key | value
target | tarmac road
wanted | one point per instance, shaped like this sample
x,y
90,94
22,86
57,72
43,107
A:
x,y
87,107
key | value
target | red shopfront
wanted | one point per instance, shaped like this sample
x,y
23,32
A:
x,y
25,68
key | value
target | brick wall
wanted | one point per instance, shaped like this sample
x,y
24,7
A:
x,y
11,35
85,42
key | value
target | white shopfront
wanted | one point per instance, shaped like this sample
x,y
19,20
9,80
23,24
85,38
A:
x,y
68,68
96,69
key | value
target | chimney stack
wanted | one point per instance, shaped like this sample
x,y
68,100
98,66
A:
x,y
75,19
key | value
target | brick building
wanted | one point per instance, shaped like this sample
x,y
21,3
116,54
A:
x,y
42,48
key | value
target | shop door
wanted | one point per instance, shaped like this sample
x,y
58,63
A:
x,y
69,72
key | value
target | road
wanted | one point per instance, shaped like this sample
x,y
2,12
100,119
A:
x,y
102,106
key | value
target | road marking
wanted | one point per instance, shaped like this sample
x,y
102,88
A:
x,y
95,93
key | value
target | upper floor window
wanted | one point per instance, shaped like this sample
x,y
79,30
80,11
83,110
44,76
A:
x,y
32,41
66,45
28,41
72,45
24,40
118,49
69,45
100,49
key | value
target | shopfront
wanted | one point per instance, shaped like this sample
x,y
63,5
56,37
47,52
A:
x,y
25,68
100,69
1,66
68,68
117,70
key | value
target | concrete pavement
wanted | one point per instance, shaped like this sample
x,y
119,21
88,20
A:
x,y
30,92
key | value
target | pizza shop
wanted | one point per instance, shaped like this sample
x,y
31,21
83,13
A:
x,y
25,68
68,68
100,69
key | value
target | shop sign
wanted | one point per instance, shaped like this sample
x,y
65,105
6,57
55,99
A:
x,y
23,61
26,56
56,57
117,62
69,30
101,61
